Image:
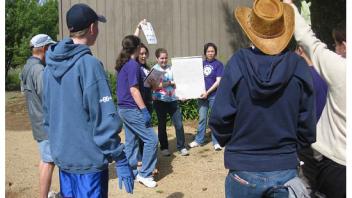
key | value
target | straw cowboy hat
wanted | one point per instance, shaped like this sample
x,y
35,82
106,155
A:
x,y
269,24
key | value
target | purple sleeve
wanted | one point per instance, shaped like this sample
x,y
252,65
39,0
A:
x,y
220,70
133,74
321,89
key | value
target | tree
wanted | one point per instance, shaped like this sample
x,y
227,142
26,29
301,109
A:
x,y
325,15
24,19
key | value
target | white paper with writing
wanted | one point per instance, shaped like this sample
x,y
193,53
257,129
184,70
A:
x,y
149,33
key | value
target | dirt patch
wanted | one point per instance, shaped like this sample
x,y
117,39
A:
x,y
201,174
16,114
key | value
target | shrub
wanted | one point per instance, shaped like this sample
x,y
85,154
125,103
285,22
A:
x,y
13,82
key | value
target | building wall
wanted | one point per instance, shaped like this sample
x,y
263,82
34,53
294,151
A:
x,y
181,26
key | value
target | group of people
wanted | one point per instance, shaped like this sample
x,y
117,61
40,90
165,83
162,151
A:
x,y
136,101
264,107
273,110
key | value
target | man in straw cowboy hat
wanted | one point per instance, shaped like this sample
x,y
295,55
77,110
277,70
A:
x,y
264,110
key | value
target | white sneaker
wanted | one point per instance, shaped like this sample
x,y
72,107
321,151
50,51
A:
x,y
217,147
165,152
148,182
53,194
183,152
193,144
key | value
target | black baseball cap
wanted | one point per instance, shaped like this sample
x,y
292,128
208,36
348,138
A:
x,y
80,16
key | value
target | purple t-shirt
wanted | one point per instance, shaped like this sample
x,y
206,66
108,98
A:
x,y
128,77
321,91
212,70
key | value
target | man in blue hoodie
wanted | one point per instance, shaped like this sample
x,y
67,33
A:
x,y
79,114
264,111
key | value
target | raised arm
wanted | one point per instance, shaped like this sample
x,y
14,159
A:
x,y
328,64
139,27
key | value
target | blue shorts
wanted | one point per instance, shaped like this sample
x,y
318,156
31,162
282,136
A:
x,y
45,153
90,185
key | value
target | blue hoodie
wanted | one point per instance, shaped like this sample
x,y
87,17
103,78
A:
x,y
264,111
79,114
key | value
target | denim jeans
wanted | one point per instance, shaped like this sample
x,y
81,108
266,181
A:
x,y
204,105
173,109
140,142
256,184
134,130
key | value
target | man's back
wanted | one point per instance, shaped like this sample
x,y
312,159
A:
x,y
272,111
80,114
31,77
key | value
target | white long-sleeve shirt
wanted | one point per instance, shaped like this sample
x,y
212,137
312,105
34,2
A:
x,y
331,128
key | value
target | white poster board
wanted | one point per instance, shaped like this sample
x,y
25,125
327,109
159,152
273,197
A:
x,y
188,76
149,33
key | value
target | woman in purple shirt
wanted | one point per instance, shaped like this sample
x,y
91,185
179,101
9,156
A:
x,y
308,155
212,69
134,113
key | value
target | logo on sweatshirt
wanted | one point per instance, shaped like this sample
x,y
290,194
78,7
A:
x,y
105,99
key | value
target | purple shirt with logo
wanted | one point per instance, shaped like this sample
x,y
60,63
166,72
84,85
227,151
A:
x,y
128,77
212,70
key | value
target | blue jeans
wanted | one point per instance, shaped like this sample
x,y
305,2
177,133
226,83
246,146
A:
x,y
134,130
173,109
204,105
256,184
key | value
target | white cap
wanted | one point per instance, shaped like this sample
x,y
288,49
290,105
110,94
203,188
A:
x,y
41,40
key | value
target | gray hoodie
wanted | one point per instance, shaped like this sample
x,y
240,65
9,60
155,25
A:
x,y
32,85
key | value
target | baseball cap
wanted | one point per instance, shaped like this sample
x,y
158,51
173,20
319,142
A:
x,y
41,40
80,16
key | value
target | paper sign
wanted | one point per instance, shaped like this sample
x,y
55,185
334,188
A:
x,y
188,77
149,33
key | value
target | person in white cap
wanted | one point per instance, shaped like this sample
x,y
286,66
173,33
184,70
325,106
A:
x,y
32,85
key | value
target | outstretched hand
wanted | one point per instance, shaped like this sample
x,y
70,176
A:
x,y
143,22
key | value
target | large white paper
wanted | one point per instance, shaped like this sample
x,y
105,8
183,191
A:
x,y
149,33
153,77
188,76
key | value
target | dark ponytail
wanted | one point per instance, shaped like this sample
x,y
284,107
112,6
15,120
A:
x,y
129,46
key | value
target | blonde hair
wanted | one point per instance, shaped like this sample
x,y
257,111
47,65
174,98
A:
x,y
80,33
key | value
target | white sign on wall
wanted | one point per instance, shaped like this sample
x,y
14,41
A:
x,y
188,76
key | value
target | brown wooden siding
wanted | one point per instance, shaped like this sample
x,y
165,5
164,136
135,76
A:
x,y
181,26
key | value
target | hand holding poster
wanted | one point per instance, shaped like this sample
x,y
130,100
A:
x,y
149,33
188,77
